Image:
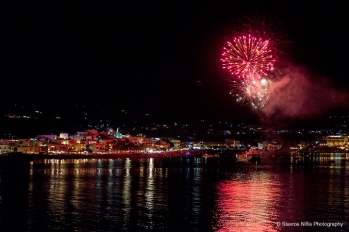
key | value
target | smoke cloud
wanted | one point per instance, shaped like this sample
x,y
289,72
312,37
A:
x,y
296,93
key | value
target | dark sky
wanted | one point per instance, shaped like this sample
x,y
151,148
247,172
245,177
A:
x,y
161,57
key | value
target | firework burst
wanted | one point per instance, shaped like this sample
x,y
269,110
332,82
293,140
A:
x,y
252,92
248,58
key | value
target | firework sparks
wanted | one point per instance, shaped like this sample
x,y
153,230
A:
x,y
253,92
248,58
249,61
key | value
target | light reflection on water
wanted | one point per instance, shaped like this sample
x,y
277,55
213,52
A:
x,y
172,194
247,202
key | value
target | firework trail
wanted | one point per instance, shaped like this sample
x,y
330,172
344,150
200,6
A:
x,y
248,58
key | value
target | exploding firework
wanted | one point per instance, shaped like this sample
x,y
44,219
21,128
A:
x,y
253,92
248,58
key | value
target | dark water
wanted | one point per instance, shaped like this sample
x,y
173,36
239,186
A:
x,y
172,194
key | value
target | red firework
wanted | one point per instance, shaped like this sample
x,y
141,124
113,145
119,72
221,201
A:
x,y
248,57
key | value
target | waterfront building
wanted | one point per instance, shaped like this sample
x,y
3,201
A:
x,y
321,142
63,136
231,143
162,145
25,149
5,146
336,140
47,137
215,144
176,143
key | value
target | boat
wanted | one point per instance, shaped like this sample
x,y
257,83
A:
x,y
241,157
208,155
251,155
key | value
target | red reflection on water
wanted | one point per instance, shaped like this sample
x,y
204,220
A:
x,y
248,203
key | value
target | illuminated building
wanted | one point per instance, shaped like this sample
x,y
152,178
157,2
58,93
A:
x,y
336,140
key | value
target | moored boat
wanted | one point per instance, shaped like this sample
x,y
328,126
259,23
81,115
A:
x,y
251,155
206,155
241,157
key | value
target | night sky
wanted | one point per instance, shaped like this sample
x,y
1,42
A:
x,y
159,58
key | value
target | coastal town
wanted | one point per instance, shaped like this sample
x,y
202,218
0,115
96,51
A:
x,y
85,131
105,142
112,141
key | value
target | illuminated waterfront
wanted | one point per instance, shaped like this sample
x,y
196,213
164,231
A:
x,y
172,194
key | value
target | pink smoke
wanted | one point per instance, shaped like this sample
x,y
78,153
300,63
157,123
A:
x,y
296,93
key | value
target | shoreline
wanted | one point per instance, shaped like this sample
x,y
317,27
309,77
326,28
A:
x,y
103,156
